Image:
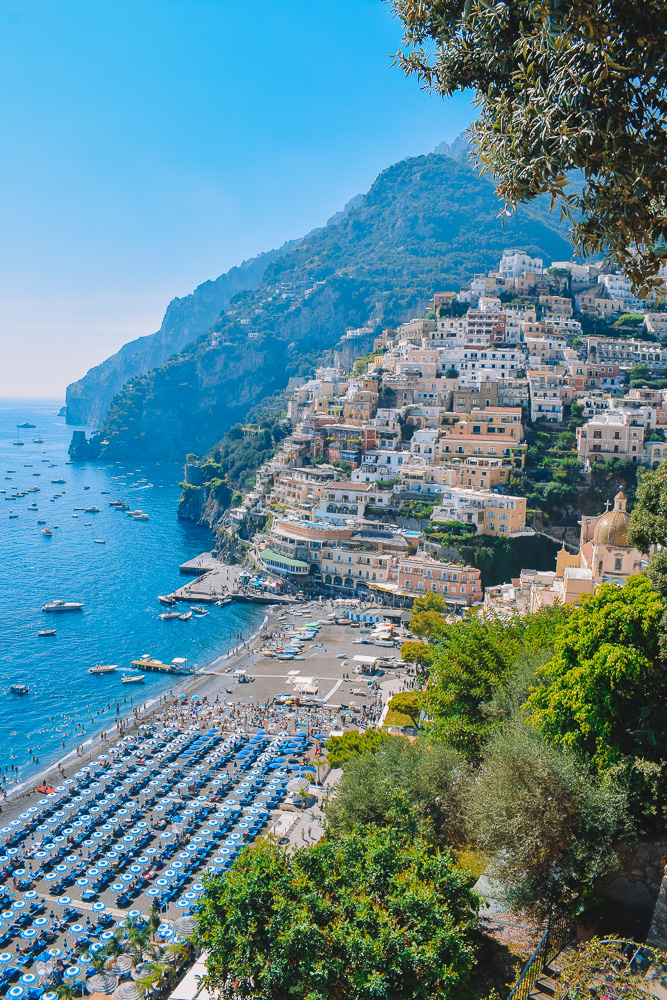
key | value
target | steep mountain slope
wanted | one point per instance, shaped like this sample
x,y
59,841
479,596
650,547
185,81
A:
x,y
88,399
427,224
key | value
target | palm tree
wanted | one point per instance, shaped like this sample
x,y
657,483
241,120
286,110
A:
x,y
137,938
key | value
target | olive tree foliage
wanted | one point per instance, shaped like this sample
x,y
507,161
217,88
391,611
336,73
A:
x,y
611,968
546,818
561,86
420,786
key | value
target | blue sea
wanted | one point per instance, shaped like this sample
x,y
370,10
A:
x,y
118,583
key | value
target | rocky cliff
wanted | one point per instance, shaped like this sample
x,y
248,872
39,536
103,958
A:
x,y
88,400
427,224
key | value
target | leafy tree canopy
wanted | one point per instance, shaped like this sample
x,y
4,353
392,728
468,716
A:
x,y
606,690
648,521
546,819
418,785
475,661
340,749
371,914
560,87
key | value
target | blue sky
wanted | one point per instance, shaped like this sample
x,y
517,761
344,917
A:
x,y
147,145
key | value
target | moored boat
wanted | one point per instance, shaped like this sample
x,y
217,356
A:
x,y
46,631
132,679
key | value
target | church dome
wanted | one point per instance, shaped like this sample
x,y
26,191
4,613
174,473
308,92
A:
x,y
612,528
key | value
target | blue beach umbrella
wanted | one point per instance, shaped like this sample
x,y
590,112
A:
x,y
98,907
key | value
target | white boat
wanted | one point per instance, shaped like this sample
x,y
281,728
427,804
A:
x,y
168,615
185,617
47,631
63,606
166,600
132,678
140,516
104,668
47,532
199,611
99,541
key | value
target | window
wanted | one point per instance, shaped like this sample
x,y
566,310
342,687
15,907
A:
x,y
618,564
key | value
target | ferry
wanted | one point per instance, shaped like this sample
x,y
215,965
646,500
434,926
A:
x,y
46,631
63,606
104,668
19,689
132,678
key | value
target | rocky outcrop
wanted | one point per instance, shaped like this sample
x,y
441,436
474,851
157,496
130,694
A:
x,y
185,319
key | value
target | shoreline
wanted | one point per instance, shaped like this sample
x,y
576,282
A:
x,y
187,685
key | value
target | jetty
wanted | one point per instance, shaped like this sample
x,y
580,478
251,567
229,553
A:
x,y
157,667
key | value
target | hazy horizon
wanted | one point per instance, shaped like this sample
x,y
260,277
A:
x,y
148,149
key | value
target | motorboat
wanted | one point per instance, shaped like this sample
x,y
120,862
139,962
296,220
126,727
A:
x,y
47,532
104,668
57,481
223,602
199,611
140,516
166,600
46,631
19,689
186,616
12,515
132,678
168,615
41,522
99,541
91,510
63,606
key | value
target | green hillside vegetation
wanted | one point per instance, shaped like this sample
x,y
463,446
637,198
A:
x,y
427,224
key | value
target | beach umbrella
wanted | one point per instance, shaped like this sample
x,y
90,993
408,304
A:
x,y
83,881
77,928
5,957
29,932
106,935
28,979
30,895
126,878
54,952
71,972
85,959
102,864
152,892
19,904
166,834
40,921
112,855
50,995
98,907
15,992
151,850
61,868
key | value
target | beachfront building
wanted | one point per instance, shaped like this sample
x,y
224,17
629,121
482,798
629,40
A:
x,y
489,512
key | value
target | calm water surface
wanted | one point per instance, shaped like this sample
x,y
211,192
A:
x,y
118,583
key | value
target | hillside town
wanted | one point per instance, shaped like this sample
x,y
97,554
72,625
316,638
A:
x,y
437,415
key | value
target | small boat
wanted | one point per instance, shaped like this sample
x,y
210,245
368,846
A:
x,y
284,656
199,611
75,515
12,515
223,602
99,541
86,487
47,532
63,606
140,517
58,481
46,631
91,510
19,689
18,441
105,493
168,615
26,426
104,668
166,600
41,522
186,616
132,678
